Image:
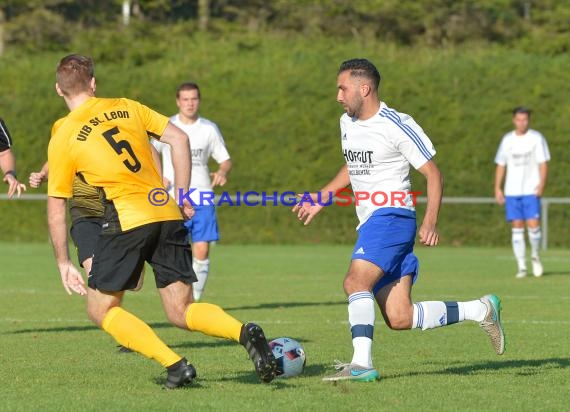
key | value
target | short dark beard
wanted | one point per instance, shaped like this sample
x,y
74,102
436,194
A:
x,y
356,111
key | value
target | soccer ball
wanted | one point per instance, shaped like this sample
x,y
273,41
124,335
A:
x,y
289,355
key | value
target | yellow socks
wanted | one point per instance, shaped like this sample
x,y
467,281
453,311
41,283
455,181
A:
x,y
213,321
134,334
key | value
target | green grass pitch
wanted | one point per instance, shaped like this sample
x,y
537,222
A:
x,y
53,359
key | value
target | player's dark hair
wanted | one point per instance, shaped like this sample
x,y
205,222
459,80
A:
x,y
74,73
362,68
521,110
188,86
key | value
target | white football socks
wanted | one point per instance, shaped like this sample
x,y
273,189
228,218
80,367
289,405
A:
x,y
433,314
361,317
519,247
201,268
473,310
534,238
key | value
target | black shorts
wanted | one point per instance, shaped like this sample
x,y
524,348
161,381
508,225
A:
x,y
119,257
84,233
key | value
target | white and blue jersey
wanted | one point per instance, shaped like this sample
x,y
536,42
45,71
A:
x,y
522,156
379,152
205,141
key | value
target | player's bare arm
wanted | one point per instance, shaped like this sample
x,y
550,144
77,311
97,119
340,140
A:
x,y
70,276
543,171
37,178
428,232
156,160
181,161
8,165
219,177
499,176
307,211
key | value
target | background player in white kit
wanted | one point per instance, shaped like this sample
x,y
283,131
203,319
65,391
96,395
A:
x,y
205,141
524,154
383,265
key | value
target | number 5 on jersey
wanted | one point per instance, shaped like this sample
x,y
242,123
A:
x,y
121,146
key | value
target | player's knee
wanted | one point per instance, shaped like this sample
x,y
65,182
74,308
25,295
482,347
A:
x,y
351,284
399,319
354,283
177,316
97,313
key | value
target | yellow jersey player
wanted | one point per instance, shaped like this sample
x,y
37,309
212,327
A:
x,y
87,211
106,142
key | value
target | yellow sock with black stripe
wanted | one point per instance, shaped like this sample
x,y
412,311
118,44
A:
x,y
134,334
212,320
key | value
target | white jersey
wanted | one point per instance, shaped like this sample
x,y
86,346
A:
x,y
205,141
378,152
522,156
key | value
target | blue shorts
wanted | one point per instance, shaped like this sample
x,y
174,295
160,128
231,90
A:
x,y
387,239
522,207
203,227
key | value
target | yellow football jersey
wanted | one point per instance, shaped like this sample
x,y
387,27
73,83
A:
x,y
106,142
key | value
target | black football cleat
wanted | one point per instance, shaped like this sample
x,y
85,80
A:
x,y
124,349
253,339
180,374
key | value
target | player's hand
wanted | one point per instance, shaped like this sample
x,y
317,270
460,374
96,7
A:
x,y
36,179
428,234
14,186
187,210
539,190
307,209
71,279
218,178
499,197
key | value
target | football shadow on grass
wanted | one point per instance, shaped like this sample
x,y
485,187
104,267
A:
x,y
522,367
279,383
285,305
314,370
248,377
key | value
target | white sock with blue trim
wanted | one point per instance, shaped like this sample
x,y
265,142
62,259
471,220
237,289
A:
x,y
433,314
361,317
519,247
534,238
201,268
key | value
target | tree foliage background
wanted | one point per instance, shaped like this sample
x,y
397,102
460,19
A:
x,y
537,25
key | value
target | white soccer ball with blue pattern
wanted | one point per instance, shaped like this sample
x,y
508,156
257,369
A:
x,y
290,357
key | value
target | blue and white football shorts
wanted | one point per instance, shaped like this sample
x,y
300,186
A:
x,y
522,207
387,239
203,227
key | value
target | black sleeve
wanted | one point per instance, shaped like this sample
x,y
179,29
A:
x,y
5,139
